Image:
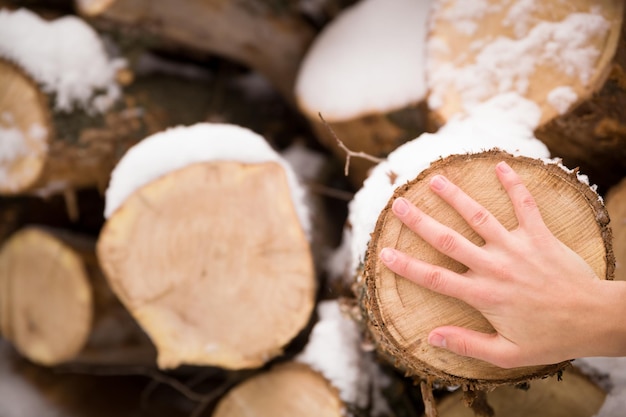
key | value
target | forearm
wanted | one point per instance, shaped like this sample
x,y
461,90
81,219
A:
x,y
608,320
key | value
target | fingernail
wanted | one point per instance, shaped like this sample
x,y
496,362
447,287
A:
x,y
438,182
387,255
503,167
400,206
437,340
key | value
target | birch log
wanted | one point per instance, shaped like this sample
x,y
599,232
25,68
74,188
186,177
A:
x,y
399,314
206,244
568,58
616,206
56,307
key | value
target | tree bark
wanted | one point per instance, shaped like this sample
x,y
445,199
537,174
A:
x,y
212,261
589,132
570,208
288,389
56,307
268,38
616,206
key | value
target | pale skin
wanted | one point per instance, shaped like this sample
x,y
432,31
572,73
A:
x,y
543,300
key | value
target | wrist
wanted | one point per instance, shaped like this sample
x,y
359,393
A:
x,y
609,320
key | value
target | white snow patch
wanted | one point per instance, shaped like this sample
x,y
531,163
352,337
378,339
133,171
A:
x,y
370,58
16,144
505,122
505,64
181,146
561,98
334,350
615,369
65,56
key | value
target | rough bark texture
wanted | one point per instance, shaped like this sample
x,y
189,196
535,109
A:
x,y
213,263
289,389
616,206
399,314
56,307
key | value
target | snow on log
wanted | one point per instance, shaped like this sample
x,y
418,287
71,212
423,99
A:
x,y
269,38
567,57
335,349
288,389
364,73
616,206
56,307
206,243
466,150
64,118
576,395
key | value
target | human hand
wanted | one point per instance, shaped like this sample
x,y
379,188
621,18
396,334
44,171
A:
x,y
544,301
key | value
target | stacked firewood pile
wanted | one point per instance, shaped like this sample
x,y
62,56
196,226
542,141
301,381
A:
x,y
193,193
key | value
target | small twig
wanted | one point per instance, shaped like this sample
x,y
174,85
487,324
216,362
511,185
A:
x,y
349,153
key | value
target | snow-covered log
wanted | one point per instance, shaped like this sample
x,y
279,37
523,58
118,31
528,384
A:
x,y
364,74
270,38
56,307
206,243
616,206
567,57
575,395
466,150
66,117
570,208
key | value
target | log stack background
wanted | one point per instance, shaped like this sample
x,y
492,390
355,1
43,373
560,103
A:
x,y
230,62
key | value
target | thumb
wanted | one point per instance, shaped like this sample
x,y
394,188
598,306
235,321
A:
x,y
491,348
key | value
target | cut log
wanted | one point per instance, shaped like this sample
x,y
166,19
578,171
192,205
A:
x,y
210,254
573,396
400,314
364,75
289,389
616,206
56,307
268,38
568,58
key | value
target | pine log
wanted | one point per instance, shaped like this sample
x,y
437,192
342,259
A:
x,y
573,396
568,58
212,261
56,307
399,314
616,206
288,389
270,38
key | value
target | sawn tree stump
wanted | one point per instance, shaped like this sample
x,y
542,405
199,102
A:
x,y
400,314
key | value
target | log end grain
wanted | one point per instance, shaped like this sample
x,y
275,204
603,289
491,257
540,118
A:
x,y
45,297
400,314
24,130
213,263
289,389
